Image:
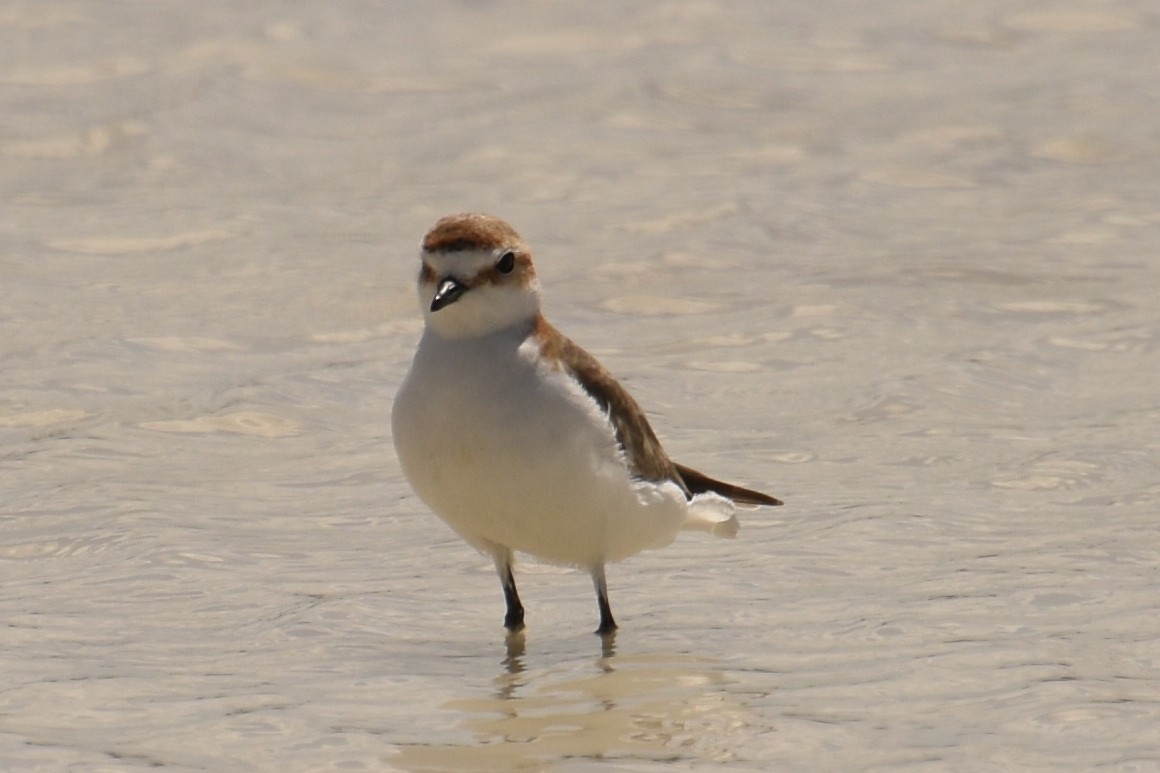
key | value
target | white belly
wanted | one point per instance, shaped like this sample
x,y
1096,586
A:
x,y
511,453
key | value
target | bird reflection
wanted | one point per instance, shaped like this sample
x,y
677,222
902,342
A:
x,y
607,650
517,645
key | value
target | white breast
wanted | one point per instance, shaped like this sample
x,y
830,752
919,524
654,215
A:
x,y
512,452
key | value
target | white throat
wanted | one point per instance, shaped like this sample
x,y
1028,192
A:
x,y
481,310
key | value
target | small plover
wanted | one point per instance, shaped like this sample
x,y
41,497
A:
x,y
519,439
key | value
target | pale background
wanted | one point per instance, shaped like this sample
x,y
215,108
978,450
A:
x,y
894,262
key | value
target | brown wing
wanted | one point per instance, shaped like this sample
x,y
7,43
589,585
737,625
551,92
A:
x,y
643,452
699,482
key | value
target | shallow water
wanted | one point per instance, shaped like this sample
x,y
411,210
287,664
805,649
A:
x,y
895,263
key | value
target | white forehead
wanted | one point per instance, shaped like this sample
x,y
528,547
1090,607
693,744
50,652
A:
x,y
461,264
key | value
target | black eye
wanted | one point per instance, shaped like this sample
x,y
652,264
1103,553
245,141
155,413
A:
x,y
506,263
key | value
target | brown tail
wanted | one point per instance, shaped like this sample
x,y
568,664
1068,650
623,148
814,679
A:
x,y
699,483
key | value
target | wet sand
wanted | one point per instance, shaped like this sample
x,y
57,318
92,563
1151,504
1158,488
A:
x,y
896,264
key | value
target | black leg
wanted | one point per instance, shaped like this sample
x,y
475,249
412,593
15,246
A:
x,y
607,624
514,619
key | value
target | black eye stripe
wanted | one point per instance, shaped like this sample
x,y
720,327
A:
x,y
506,262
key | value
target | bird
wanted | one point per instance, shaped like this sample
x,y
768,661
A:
x,y
520,440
